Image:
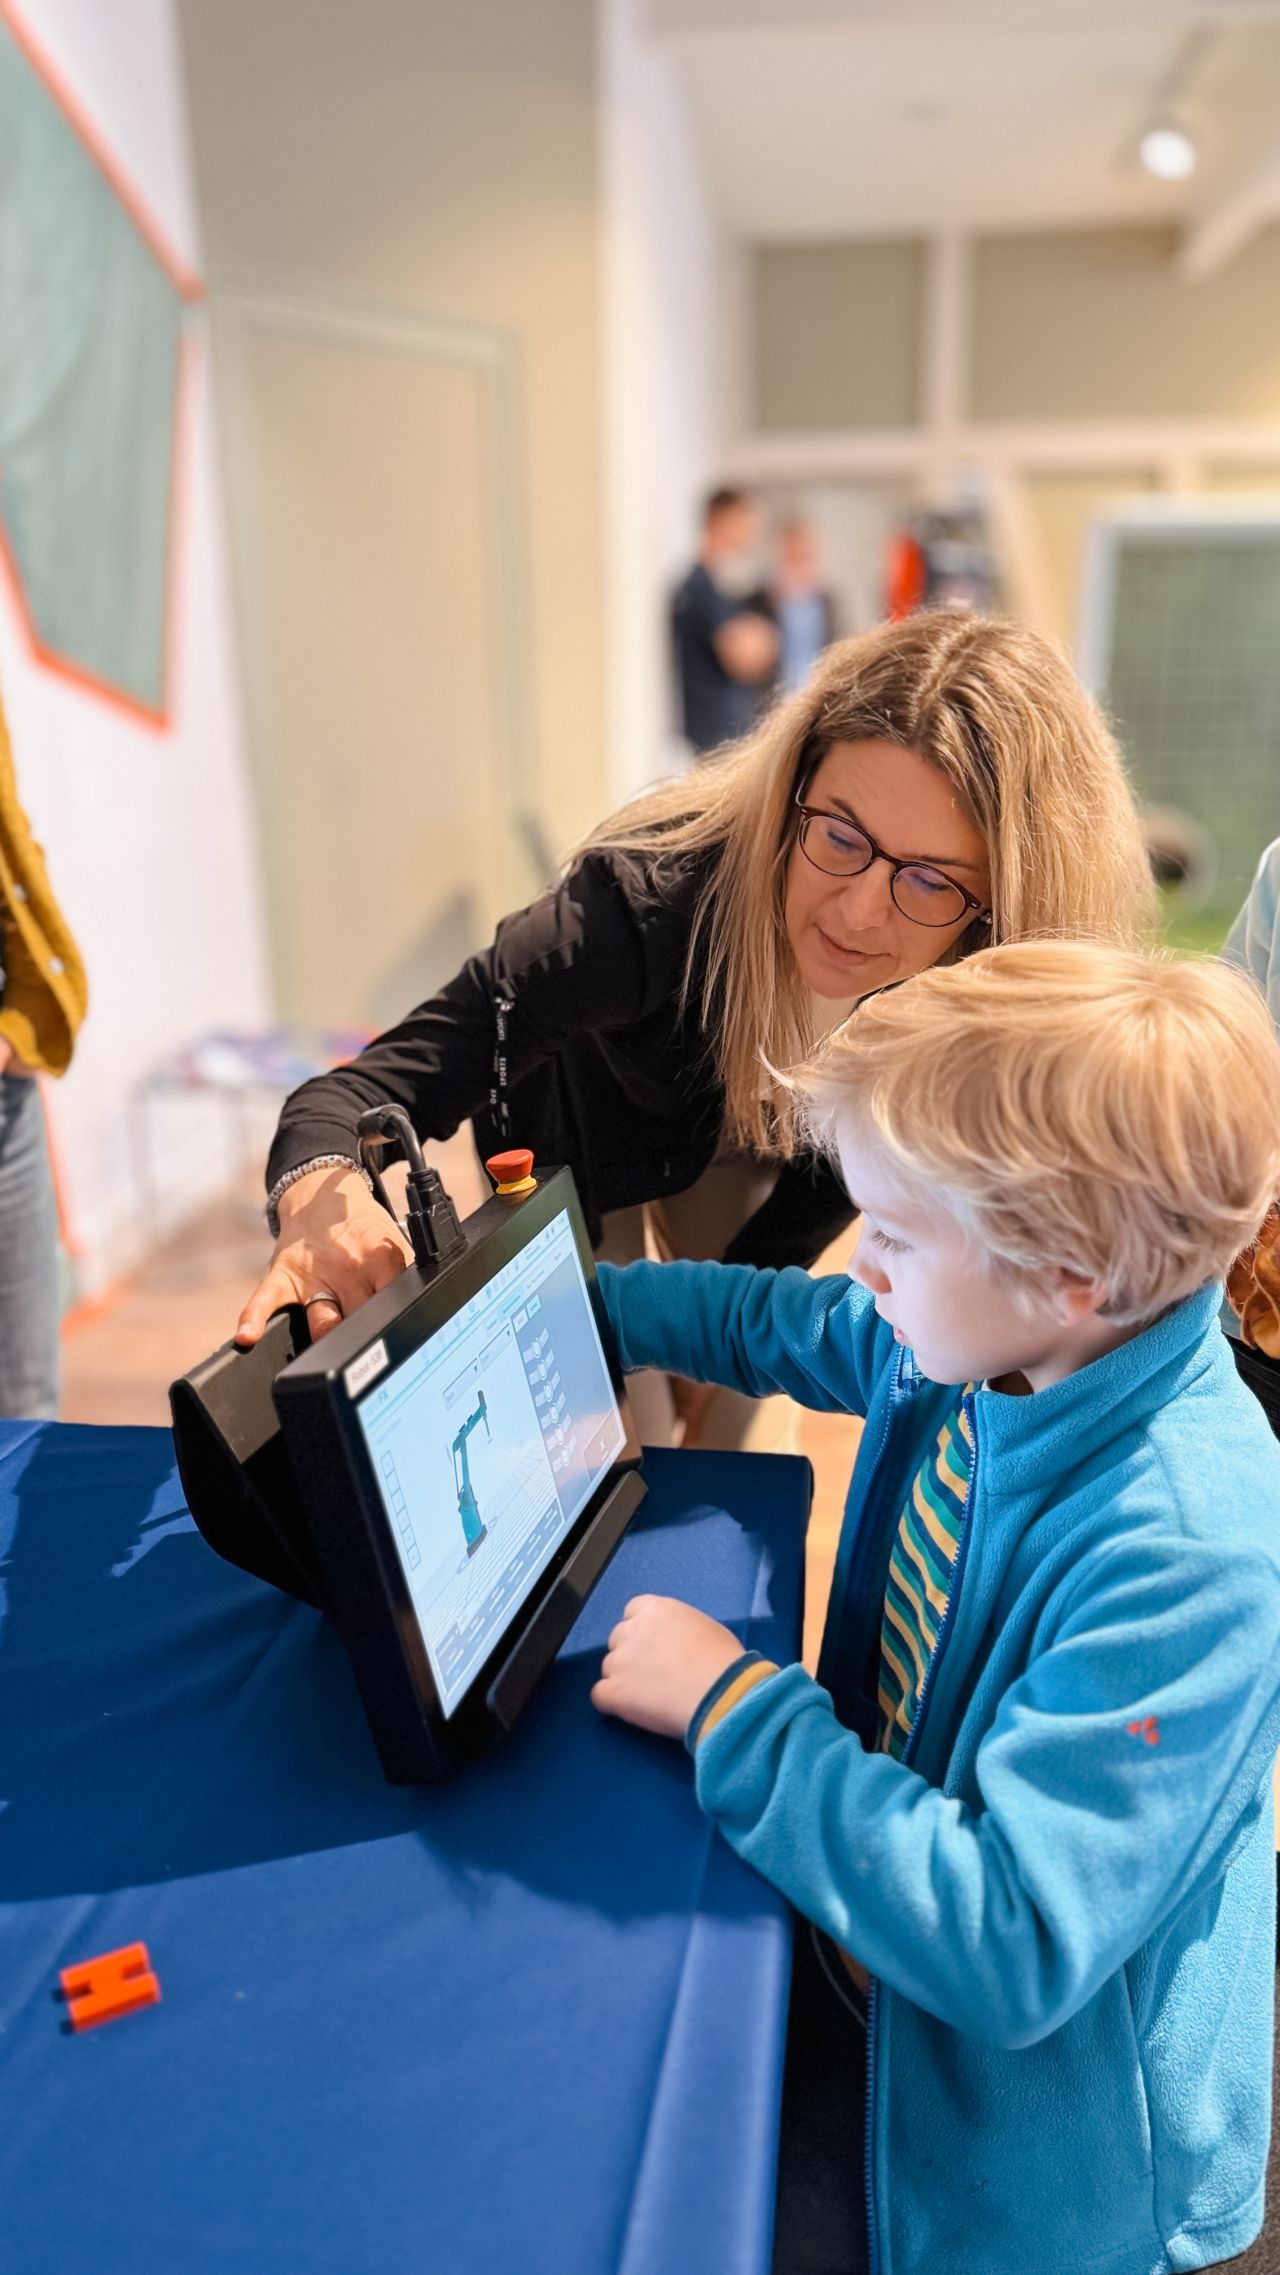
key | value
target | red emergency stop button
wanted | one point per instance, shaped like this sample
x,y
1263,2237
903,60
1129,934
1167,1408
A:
x,y
512,1173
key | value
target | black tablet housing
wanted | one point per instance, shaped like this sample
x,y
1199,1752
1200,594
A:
x,y
448,1473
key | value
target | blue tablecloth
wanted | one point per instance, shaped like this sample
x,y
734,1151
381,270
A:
x,y
530,2024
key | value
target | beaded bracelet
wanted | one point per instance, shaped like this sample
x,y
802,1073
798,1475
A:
x,y
304,1169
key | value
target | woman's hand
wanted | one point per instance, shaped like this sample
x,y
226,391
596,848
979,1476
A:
x,y
10,1063
337,1247
662,1659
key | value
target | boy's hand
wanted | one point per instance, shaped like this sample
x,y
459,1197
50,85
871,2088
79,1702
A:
x,y
662,1659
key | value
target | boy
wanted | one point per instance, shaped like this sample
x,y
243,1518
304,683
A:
x,y
1029,1793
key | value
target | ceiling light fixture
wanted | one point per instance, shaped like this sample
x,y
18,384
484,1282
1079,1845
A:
x,y
1166,145
1167,151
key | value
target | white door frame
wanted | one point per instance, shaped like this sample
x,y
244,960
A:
x,y
247,301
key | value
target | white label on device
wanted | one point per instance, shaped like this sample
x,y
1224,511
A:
x,y
366,1368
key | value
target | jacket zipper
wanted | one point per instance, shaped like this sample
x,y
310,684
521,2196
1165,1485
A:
x,y
873,1987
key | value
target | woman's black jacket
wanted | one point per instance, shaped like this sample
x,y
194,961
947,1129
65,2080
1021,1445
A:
x,y
568,1035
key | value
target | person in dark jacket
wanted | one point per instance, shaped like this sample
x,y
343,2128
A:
x,y
726,646
940,784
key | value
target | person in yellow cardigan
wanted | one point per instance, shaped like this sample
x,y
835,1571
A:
x,y
43,998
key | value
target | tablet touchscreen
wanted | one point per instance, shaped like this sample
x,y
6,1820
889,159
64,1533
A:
x,y
487,1444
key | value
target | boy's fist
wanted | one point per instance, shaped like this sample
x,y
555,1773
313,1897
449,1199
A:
x,y
662,1659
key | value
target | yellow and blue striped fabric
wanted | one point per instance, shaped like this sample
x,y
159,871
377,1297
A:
x,y
920,1571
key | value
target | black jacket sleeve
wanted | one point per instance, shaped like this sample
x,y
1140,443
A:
x,y
596,952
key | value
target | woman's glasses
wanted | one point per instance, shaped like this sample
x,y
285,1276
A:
x,y
840,849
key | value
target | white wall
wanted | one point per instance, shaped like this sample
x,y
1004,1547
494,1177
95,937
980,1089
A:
x,y
670,380
420,164
147,831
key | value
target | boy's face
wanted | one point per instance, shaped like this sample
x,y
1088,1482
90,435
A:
x,y
939,1293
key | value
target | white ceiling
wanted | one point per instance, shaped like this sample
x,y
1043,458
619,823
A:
x,y
663,16
832,118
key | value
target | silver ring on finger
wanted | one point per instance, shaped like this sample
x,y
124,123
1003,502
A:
x,y
325,1297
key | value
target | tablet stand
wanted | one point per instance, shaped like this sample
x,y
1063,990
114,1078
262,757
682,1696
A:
x,y
271,1462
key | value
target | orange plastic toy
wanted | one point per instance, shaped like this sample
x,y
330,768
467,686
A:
x,y
114,1983
512,1173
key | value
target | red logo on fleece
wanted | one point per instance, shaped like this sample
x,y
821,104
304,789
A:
x,y
1148,1728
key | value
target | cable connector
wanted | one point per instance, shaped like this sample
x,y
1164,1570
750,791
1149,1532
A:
x,y
431,1219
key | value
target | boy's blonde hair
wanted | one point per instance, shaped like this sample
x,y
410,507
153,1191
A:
x,y
1031,760
1071,1106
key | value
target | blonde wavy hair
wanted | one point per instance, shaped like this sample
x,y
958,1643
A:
x,y
1071,1106
1031,760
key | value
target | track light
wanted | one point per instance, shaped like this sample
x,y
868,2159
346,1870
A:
x,y
1168,152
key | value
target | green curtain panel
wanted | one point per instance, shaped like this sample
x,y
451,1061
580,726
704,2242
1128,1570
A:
x,y
90,331
1193,683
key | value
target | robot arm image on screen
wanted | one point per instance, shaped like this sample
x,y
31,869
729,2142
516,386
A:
x,y
473,1531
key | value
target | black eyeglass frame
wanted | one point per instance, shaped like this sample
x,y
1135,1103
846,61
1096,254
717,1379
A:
x,y
823,814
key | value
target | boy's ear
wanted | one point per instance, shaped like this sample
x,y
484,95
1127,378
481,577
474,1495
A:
x,y
1076,1296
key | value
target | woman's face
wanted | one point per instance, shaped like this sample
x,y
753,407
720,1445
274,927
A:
x,y
848,935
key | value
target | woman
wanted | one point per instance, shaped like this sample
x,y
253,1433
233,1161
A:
x,y
42,1002
940,784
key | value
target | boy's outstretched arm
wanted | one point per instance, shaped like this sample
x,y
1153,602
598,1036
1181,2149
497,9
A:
x,y
1113,1771
820,1341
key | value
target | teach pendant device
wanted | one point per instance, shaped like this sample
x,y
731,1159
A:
x,y
446,1474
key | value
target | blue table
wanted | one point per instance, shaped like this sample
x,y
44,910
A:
x,y
530,2024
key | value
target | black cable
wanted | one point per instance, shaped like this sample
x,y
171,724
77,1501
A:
x,y
431,1219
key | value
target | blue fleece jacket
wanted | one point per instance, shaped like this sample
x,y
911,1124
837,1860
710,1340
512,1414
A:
x,y
1064,1892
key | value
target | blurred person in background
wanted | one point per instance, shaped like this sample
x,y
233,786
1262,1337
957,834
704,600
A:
x,y
726,649
940,784
1253,943
797,603
43,998
1253,1284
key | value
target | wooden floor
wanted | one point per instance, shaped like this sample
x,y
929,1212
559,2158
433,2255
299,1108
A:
x,y
120,1356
